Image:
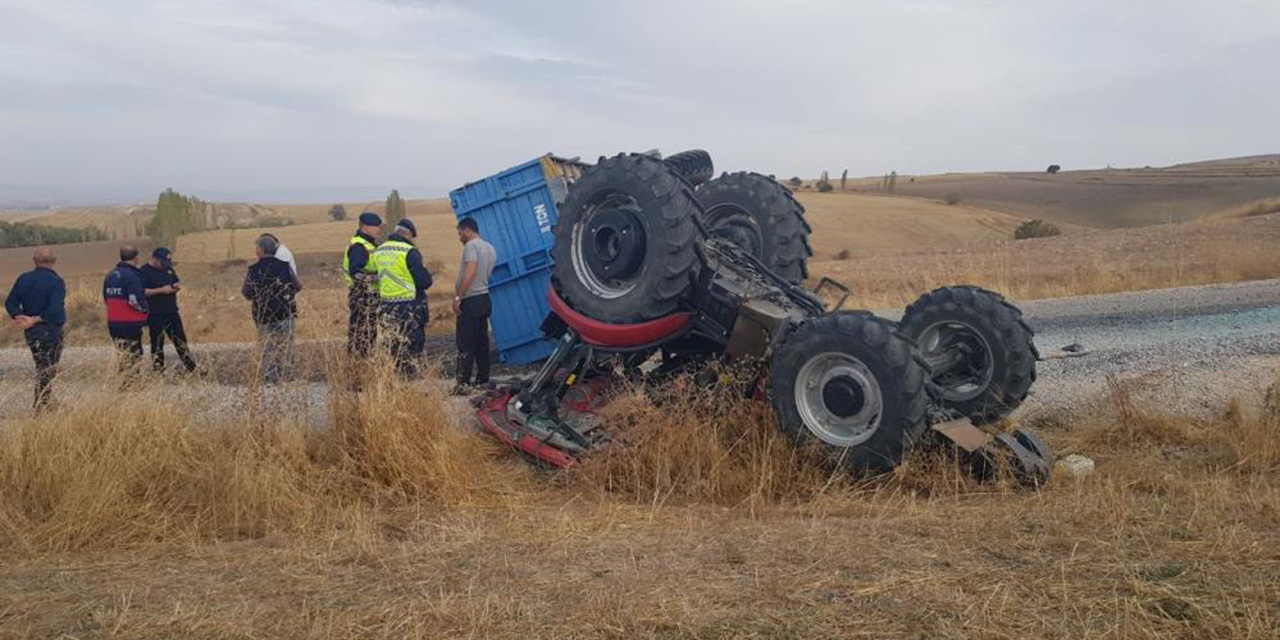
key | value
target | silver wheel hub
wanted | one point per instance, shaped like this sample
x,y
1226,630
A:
x,y
608,245
839,399
960,359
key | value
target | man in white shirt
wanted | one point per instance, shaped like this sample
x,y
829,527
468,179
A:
x,y
284,254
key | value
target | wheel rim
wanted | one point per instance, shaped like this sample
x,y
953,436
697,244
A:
x,y
960,359
736,225
839,399
609,246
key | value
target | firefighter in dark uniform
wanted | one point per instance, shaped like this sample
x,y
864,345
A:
x,y
403,281
37,304
362,282
126,309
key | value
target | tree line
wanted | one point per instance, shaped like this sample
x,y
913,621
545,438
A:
x,y
27,234
177,214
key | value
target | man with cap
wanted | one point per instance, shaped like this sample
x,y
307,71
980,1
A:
x,y
126,300
403,281
161,285
37,305
362,280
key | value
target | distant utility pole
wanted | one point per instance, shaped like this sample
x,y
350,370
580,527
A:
x,y
844,178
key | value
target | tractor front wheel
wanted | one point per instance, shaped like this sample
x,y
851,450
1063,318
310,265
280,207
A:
x,y
980,352
848,384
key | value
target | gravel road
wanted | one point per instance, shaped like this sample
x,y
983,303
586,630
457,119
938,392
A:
x,y
1193,348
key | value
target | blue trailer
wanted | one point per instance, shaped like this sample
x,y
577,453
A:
x,y
516,211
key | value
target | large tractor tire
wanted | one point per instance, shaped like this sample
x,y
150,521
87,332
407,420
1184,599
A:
x,y
626,241
759,215
693,165
980,352
849,384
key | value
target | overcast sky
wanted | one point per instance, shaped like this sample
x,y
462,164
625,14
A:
x,y
277,94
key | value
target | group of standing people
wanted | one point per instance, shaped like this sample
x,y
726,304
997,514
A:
x,y
387,284
387,292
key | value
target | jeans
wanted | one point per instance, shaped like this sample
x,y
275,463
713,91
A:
x,y
170,323
45,342
276,343
472,333
405,325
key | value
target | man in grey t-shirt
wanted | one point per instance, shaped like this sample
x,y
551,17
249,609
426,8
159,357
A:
x,y
471,305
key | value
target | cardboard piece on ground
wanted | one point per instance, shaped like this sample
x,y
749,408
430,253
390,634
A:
x,y
964,434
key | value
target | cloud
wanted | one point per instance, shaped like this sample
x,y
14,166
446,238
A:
x,y
206,94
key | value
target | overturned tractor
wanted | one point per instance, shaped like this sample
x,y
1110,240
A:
x,y
661,270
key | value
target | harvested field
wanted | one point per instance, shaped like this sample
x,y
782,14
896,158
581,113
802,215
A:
x,y
1083,262
1106,198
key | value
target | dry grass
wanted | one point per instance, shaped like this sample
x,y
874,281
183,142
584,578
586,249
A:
x,y
693,444
104,474
1250,209
130,520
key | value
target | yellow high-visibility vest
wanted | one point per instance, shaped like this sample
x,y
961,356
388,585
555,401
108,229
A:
x,y
346,259
391,261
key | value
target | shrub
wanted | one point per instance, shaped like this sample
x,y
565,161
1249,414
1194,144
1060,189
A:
x,y
337,213
825,187
844,254
795,182
953,199
1035,229
1053,168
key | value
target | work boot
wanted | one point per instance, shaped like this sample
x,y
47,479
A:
x,y
461,389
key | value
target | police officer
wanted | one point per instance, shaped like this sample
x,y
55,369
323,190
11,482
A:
x,y
402,294
37,305
362,280
126,308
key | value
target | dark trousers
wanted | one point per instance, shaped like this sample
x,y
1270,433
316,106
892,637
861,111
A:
x,y
362,320
128,342
45,342
170,323
473,339
405,324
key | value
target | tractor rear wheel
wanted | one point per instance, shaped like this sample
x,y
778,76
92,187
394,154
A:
x,y
759,215
980,352
849,384
627,241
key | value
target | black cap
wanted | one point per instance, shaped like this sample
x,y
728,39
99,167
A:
x,y
162,254
408,224
370,219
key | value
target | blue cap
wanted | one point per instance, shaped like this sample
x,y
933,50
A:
x,y
370,219
408,224
162,254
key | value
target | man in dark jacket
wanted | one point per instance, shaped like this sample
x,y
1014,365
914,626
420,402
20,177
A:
x,y
403,281
362,282
271,288
37,305
161,285
126,308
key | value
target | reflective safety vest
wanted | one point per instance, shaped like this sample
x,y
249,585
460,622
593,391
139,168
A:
x,y
391,261
346,259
